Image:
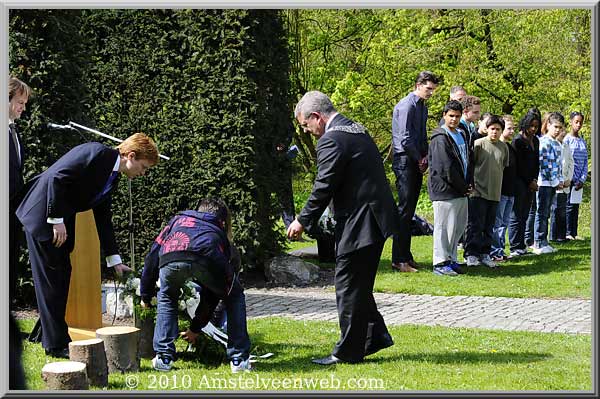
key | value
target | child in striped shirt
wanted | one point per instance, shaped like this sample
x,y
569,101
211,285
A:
x,y
580,171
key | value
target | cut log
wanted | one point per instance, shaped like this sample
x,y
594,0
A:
x,y
146,327
65,376
121,346
91,352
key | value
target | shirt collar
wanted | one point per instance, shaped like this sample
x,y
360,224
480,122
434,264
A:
x,y
116,167
330,119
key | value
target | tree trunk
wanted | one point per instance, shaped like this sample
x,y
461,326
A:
x,y
65,376
91,352
121,346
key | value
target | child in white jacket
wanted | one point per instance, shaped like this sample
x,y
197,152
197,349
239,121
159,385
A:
x,y
558,220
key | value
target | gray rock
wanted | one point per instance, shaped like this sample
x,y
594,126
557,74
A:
x,y
306,252
286,269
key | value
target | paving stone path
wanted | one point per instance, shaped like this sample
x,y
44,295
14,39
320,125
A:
x,y
513,314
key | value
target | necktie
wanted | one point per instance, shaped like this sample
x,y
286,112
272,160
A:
x,y
13,134
107,186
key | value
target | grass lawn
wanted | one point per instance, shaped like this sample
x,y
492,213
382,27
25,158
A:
x,y
563,274
423,359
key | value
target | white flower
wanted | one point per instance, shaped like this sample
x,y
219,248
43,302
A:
x,y
181,306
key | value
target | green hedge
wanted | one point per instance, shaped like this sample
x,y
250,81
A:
x,y
210,86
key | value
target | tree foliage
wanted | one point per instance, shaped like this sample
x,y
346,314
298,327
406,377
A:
x,y
367,60
210,86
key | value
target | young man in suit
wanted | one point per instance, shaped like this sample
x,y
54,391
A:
x,y
349,172
82,179
18,95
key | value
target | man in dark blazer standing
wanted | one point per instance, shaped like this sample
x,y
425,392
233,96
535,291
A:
x,y
350,172
18,95
80,180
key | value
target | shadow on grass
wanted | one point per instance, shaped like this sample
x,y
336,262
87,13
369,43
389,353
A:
x,y
465,357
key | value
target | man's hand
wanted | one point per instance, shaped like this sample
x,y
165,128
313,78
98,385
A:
x,y
60,234
423,164
145,305
120,269
578,186
294,232
189,336
533,186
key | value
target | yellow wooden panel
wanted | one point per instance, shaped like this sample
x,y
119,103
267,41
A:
x,y
84,305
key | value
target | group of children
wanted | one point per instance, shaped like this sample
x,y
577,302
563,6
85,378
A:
x,y
485,183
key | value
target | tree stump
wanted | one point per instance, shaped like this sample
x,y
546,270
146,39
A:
x,y
146,327
65,375
91,352
121,346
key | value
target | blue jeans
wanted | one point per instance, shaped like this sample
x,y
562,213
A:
x,y
545,196
558,220
502,219
530,224
172,277
519,215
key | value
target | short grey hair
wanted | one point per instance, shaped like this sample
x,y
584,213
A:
x,y
314,101
456,89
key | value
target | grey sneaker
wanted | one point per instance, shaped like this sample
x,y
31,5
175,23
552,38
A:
x,y
486,260
162,363
473,261
238,365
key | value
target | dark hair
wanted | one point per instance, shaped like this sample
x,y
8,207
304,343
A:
x,y
454,106
535,111
426,76
495,120
216,206
485,115
574,114
554,117
527,120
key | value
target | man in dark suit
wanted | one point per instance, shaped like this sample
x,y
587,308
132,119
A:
x,y
80,180
350,172
18,95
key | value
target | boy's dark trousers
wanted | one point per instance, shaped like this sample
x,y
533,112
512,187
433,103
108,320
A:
x,y
480,226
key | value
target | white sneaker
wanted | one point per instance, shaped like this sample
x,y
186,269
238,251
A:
x,y
238,364
548,249
473,261
162,363
486,260
570,237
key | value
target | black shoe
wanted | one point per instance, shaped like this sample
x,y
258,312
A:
x,y
379,345
328,361
458,268
62,353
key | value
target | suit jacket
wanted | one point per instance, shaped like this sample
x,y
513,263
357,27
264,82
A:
x,y
350,172
15,171
69,186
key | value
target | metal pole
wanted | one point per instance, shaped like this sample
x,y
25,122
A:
x,y
106,135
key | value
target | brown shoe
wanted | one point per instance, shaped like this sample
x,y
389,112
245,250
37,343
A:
x,y
403,267
412,263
